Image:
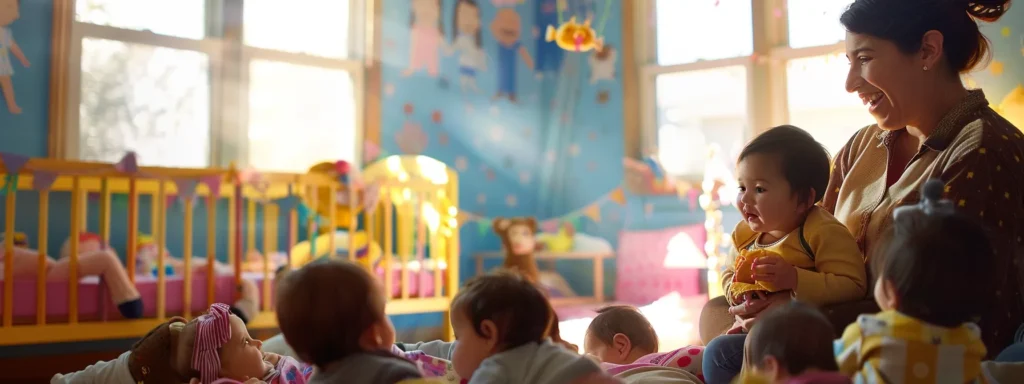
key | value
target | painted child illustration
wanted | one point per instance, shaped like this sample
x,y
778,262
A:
x,y
9,12
507,30
426,34
549,55
468,42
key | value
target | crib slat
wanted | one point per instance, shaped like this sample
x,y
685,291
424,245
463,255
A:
x,y
44,237
250,230
269,233
388,231
236,262
186,254
211,245
232,227
133,227
293,225
76,232
436,255
12,194
311,222
354,207
332,222
159,220
104,211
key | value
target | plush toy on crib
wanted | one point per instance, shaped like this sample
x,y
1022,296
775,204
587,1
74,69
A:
x,y
146,264
95,258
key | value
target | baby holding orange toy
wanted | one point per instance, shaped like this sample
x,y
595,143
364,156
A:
x,y
786,244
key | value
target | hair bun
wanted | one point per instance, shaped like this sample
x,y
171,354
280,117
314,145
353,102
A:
x,y
987,10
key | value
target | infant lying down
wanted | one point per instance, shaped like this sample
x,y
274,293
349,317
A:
x,y
213,348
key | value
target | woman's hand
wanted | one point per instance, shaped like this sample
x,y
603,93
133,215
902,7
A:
x,y
774,270
753,303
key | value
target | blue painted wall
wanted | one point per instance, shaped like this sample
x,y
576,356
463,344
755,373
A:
x,y
554,149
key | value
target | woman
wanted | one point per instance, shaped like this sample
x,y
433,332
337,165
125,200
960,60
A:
x,y
906,58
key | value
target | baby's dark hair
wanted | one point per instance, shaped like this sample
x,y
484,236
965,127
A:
x,y
520,311
798,335
626,320
324,308
940,266
805,162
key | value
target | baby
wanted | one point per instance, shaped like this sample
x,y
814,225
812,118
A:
x,y
934,272
622,339
504,328
787,245
791,344
213,348
331,313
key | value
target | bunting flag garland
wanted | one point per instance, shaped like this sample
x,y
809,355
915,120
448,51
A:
x,y
591,211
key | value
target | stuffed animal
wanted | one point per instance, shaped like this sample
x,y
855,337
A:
x,y
518,238
743,279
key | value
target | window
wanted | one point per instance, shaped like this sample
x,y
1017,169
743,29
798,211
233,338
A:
x,y
182,87
717,72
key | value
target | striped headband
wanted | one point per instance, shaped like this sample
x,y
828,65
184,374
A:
x,y
212,331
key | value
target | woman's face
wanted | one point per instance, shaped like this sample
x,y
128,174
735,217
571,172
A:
x,y
887,80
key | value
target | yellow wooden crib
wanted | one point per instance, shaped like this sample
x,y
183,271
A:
x,y
401,225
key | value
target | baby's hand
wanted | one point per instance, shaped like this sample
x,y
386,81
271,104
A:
x,y
271,358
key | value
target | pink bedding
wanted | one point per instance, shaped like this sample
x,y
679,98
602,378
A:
x,y
94,301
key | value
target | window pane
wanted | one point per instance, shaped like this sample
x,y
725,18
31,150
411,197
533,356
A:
x,y
181,18
699,109
299,116
819,103
816,22
692,30
151,100
291,26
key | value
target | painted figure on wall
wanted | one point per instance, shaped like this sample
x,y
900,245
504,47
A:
x,y
602,64
507,29
426,34
468,43
549,56
9,12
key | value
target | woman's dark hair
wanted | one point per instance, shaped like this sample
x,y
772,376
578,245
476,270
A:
x,y
797,335
805,162
440,20
904,22
324,308
520,311
477,39
940,266
627,320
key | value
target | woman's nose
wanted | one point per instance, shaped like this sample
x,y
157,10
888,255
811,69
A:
x,y
853,80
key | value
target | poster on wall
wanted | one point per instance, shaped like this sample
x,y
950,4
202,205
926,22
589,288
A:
x,y
468,43
426,36
507,28
9,13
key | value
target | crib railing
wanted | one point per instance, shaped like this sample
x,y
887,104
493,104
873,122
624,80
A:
x,y
274,195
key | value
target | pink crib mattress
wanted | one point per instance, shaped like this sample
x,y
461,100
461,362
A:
x,y
94,300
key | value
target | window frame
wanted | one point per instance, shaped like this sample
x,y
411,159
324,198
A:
x,y
767,98
229,60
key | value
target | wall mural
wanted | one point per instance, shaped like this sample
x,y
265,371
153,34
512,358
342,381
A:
x,y
518,106
10,11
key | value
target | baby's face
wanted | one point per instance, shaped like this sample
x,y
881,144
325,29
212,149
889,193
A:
x,y
241,358
471,348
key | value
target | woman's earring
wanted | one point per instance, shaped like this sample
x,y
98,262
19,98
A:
x,y
925,68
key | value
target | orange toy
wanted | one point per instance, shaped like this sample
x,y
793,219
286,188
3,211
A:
x,y
743,276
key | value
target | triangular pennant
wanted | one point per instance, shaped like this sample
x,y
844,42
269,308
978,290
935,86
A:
x,y
549,225
10,184
483,226
129,164
618,196
213,183
42,180
288,203
186,189
593,212
371,151
13,162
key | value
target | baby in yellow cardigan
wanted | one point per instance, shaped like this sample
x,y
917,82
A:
x,y
785,242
